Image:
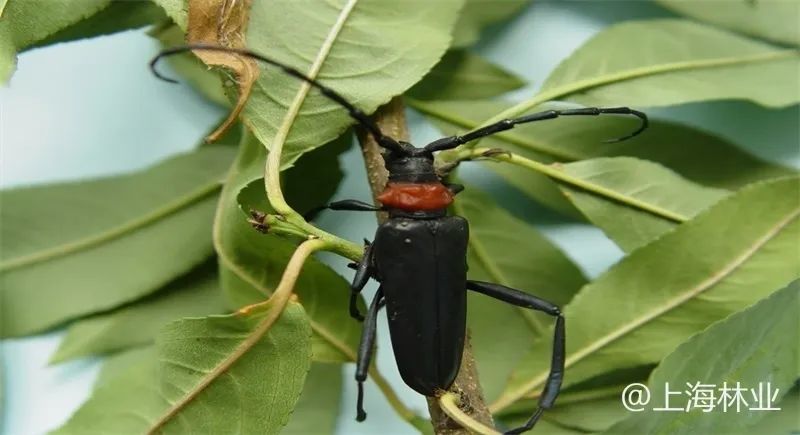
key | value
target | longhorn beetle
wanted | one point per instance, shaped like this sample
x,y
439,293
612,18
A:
x,y
419,255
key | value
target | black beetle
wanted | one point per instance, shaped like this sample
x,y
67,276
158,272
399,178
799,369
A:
x,y
419,255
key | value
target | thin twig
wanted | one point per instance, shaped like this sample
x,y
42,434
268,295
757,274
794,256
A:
x,y
391,120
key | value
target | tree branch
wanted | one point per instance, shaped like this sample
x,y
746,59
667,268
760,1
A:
x,y
392,121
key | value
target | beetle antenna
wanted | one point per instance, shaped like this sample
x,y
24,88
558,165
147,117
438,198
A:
x,y
362,118
450,142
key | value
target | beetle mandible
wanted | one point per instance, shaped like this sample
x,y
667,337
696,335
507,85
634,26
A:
x,y
418,255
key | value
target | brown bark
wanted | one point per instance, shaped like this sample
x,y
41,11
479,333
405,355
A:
x,y
392,121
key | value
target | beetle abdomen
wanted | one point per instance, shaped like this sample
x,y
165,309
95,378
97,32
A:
x,y
422,267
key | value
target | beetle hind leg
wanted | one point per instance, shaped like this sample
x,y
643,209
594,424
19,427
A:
x,y
522,299
365,351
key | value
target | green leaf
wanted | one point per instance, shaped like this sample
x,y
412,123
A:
x,y
211,376
756,345
176,10
118,16
131,390
318,408
698,156
120,363
196,294
369,51
535,266
670,198
190,68
677,62
252,263
462,75
34,20
8,54
775,20
589,416
783,422
78,248
23,22
733,254
477,14
34,23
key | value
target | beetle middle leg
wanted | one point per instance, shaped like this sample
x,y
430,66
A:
x,y
522,299
366,349
362,267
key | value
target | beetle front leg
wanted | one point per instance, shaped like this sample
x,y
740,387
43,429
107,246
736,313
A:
x,y
522,299
360,280
365,350
343,205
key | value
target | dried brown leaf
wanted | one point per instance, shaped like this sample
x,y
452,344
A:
x,y
224,22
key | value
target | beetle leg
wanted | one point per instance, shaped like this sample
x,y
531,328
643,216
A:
x,y
366,349
345,205
454,188
359,281
522,299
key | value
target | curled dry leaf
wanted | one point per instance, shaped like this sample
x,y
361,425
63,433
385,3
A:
x,y
223,22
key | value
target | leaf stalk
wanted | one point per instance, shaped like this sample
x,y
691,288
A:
x,y
449,403
555,172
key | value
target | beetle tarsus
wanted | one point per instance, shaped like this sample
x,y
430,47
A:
x,y
361,415
365,350
528,424
354,313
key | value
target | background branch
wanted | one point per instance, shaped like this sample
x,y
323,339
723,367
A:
x,y
392,121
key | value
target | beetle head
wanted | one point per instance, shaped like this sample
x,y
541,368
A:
x,y
411,165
